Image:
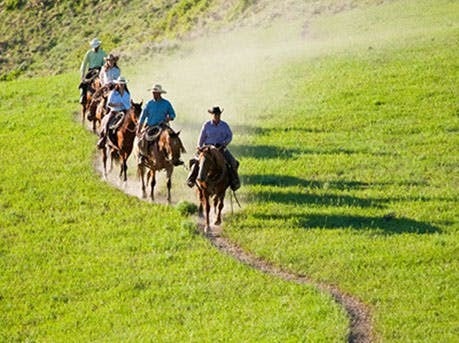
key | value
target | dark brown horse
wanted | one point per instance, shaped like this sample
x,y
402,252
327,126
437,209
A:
x,y
92,82
164,154
97,108
212,181
120,141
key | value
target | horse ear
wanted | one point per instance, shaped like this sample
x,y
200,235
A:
x,y
178,132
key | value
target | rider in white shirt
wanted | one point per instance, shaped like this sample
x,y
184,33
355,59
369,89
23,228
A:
x,y
119,100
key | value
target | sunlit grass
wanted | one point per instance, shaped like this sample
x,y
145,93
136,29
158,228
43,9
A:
x,y
353,177
82,261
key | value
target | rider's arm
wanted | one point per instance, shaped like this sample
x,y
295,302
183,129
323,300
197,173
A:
x,y
202,136
143,118
228,135
170,113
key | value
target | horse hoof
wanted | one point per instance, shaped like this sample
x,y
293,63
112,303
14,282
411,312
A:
x,y
218,222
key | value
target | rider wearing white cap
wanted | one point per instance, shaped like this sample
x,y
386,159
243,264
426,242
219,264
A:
x,y
119,100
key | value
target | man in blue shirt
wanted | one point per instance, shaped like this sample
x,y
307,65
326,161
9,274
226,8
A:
x,y
157,112
218,133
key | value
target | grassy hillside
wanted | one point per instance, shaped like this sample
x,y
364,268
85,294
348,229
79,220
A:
x,y
41,37
348,148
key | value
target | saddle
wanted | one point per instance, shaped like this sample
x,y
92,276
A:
x,y
152,133
115,121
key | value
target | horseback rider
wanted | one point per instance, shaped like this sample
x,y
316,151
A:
x,y
110,71
119,101
90,67
155,116
218,133
108,75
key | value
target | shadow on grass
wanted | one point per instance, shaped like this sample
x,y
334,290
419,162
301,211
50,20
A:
x,y
271,151
322,200
288,181
387,224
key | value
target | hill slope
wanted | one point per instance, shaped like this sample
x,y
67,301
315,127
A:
x,y
51,36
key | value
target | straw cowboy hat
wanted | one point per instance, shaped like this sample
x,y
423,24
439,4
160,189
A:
x,y
157,89
215,110
95,43
111,57
121,80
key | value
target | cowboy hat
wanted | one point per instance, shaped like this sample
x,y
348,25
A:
x,y
121,80
157,89
111,57
215,110
95,43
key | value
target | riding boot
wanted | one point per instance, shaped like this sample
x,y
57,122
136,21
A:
x,y
103,136
235,183
190,181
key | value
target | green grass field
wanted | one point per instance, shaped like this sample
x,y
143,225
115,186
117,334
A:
x,y
350,175
356,182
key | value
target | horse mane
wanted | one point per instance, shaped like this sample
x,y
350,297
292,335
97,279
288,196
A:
x,y
216,155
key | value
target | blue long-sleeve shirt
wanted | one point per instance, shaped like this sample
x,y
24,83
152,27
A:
x,y
214,134
118,102
156,112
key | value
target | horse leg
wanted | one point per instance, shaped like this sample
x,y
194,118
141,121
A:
x,y
221,203
141,174
123,169
83,111
104,161
169,185
201,201
215,204
207,207
153,183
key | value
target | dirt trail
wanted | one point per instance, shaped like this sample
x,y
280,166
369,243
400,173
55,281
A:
x,y
360,328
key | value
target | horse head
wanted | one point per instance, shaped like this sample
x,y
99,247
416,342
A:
x,y
211,163
136,110
172,146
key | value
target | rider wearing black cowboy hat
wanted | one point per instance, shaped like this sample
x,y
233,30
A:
x,y
218,133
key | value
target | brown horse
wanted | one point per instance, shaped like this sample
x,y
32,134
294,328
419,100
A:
x,y
163,154
120,141
212,181
93,84
97,107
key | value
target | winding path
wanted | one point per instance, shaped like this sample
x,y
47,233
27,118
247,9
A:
x,y
360,330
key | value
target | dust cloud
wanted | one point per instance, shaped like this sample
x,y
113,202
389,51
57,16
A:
x,y
222,68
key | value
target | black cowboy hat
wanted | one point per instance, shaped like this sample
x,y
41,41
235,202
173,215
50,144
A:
x,y
215,110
